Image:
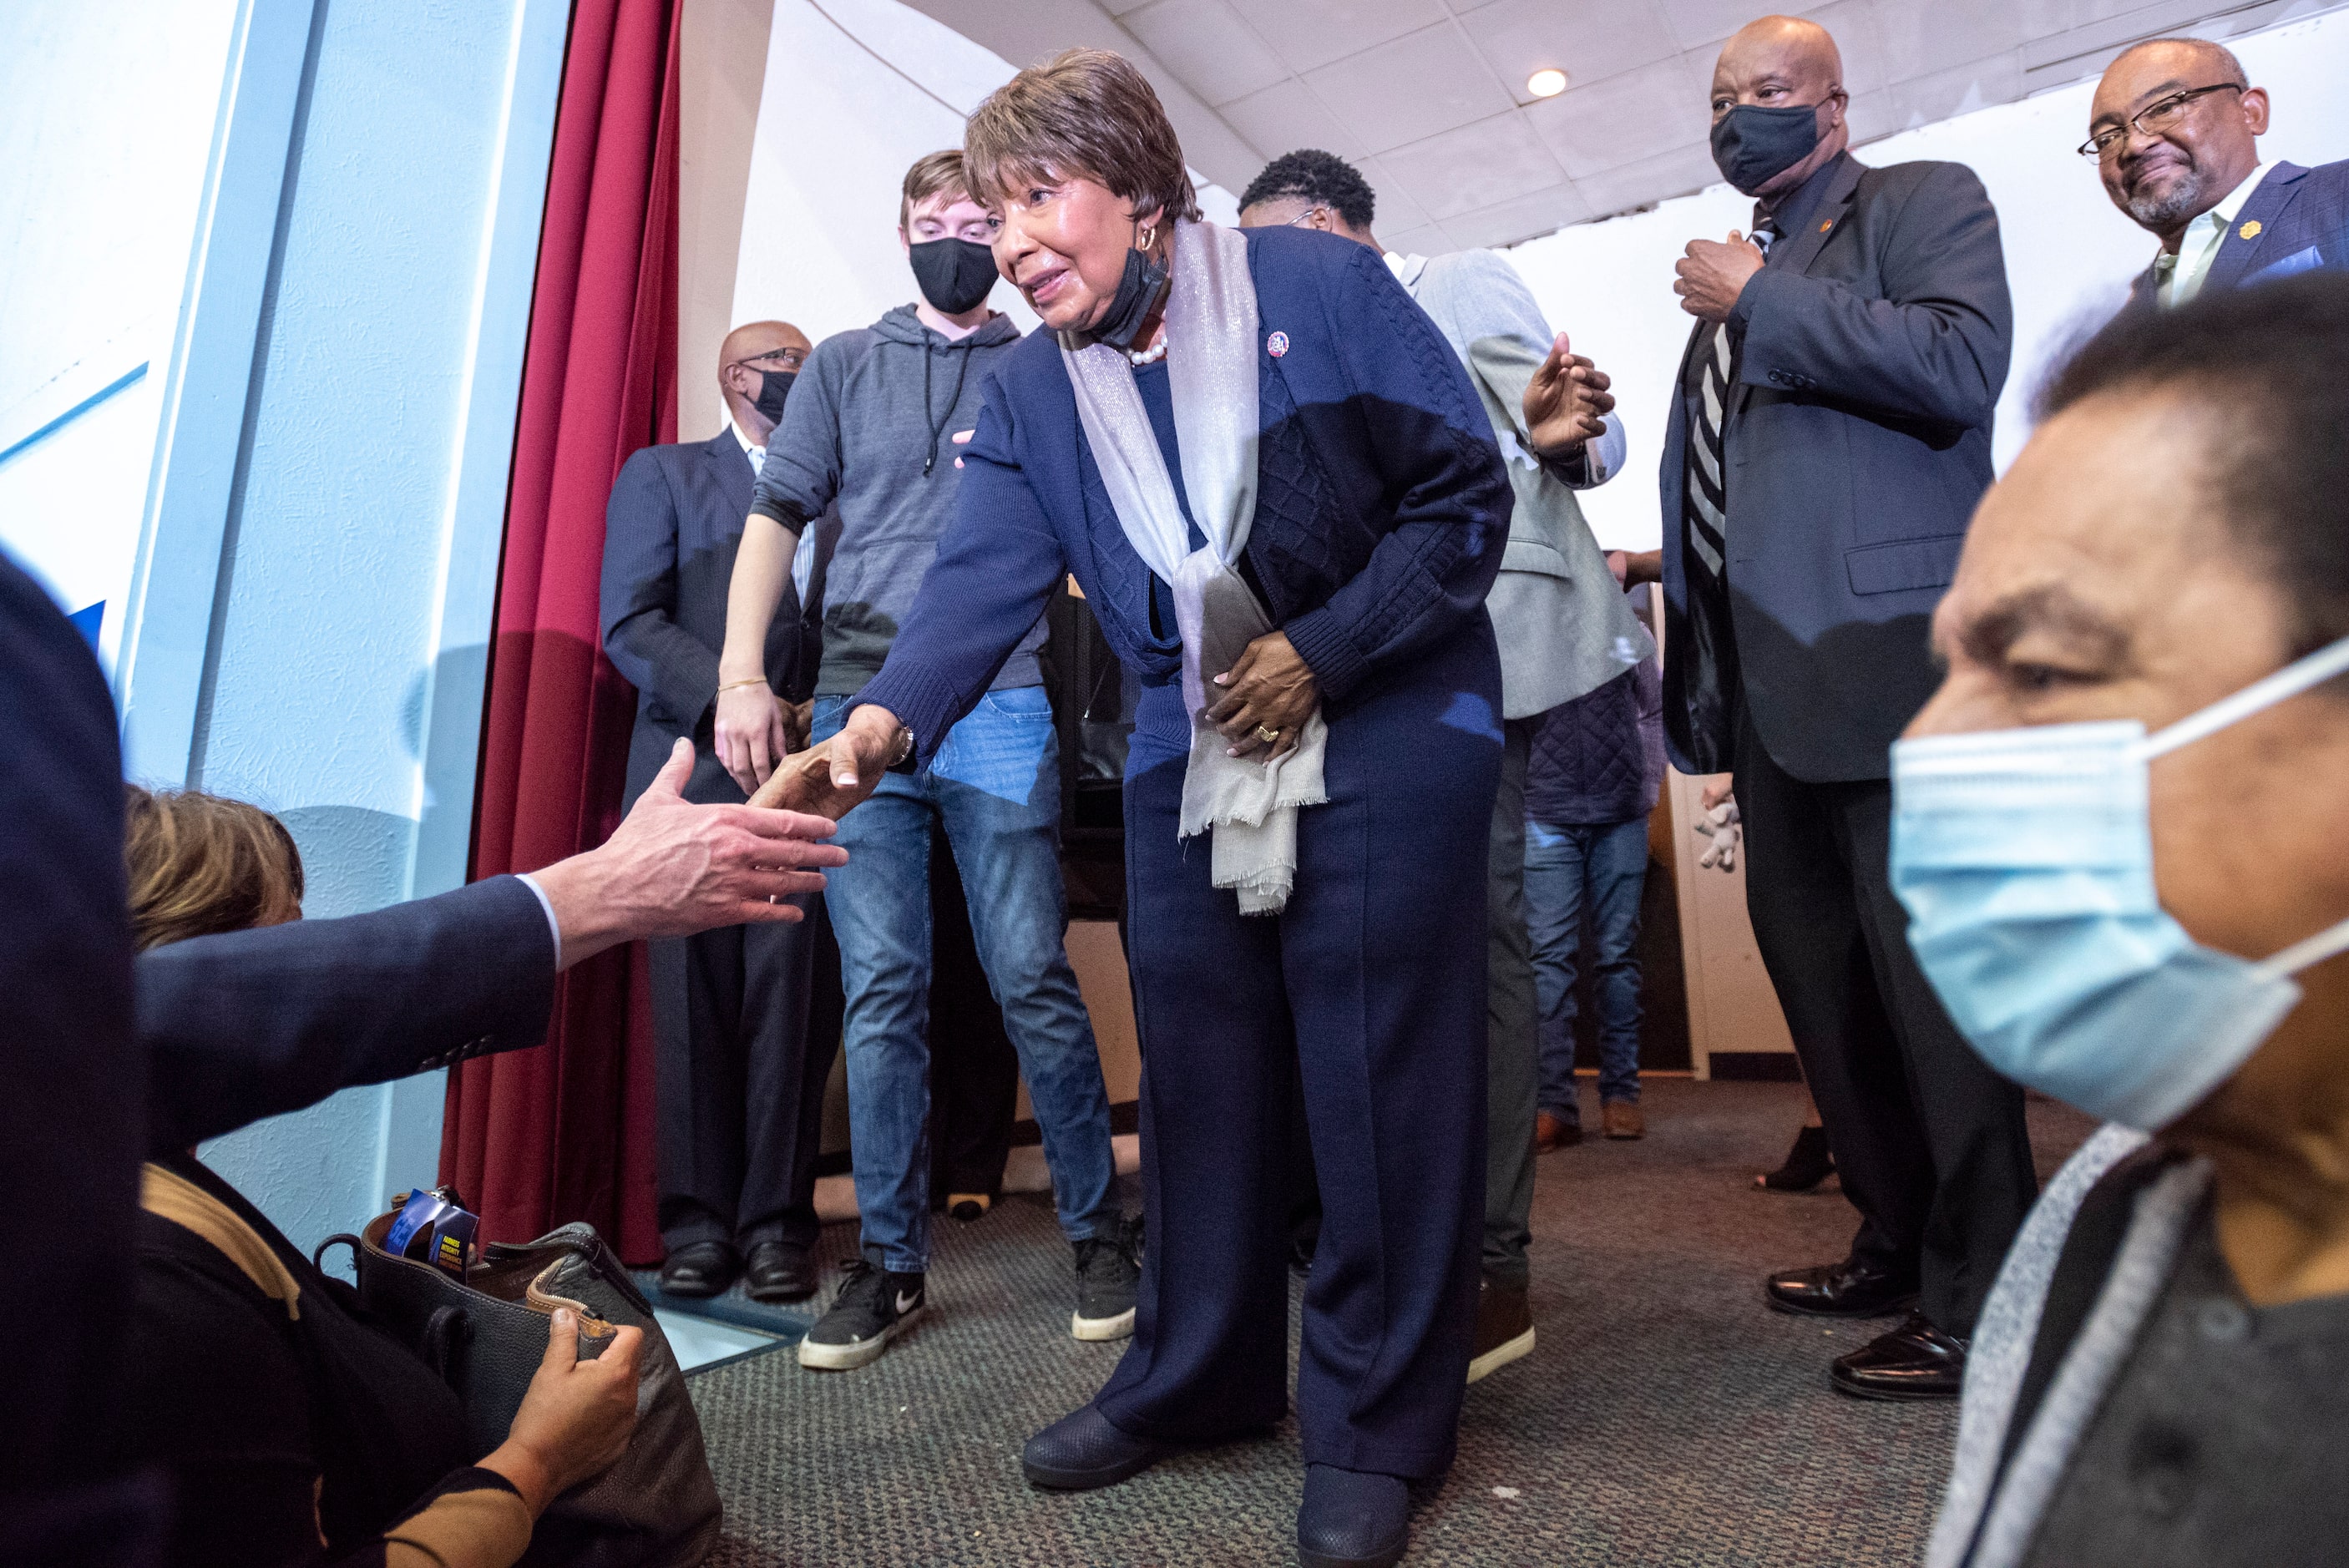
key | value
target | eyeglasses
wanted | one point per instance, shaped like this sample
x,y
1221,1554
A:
x,y
788,358
2153,118
1304,219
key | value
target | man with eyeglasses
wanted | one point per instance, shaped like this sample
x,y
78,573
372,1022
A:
x,y
2175,128
738,1080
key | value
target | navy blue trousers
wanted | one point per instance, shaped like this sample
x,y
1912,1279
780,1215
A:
x,y
1368,992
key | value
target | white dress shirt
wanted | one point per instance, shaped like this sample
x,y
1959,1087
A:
x,y
2178,275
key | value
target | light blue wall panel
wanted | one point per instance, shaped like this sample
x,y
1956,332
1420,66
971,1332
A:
x,y
341,687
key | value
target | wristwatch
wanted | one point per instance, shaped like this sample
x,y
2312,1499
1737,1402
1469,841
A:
x,y
902,752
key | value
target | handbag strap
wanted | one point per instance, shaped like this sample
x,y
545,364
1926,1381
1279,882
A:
x,y
170,1196
340,1238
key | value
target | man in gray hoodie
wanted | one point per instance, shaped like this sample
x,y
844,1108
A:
x,y
874,435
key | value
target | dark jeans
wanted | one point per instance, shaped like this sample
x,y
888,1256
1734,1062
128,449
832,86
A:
x,y
1509,1035
1606,865
1928,1142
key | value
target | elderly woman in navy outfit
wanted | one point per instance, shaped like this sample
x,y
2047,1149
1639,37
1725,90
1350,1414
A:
x,y
1336,784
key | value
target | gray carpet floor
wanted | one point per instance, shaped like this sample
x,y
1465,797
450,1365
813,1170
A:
x,y
1665,1417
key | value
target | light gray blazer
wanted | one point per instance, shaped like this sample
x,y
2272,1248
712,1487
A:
x,y
1564,626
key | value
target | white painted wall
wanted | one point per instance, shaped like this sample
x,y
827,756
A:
x,y
2069,254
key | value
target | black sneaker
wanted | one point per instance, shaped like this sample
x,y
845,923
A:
x,y
1109,1272
873,1306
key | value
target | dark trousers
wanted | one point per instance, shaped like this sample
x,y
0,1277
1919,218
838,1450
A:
x,y
1511,1042
1368,992
1930,1142
739,1084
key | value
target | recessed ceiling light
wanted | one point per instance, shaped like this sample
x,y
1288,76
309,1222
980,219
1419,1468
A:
x,y
1545,83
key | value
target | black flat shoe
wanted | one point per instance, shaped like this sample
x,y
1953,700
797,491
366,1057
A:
x,y
1915,1361
1808,1163
699,1269
1841,1290
777,1271
1352,1519
1082,1452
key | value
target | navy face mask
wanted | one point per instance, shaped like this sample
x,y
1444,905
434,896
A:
x,y
954,275
1751,145
774,387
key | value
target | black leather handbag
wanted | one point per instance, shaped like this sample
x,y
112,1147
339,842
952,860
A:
x,y
658,1506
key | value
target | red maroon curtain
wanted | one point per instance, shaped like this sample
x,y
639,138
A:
x,y
542,1138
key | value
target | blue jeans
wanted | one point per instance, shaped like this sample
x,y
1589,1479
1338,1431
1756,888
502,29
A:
x,y
1564,864
995,787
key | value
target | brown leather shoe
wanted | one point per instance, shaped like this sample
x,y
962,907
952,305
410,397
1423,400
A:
x,y
1622,1118
1553,1132
1915,1361
1504,1327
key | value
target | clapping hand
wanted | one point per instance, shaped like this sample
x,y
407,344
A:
x,y
1567,402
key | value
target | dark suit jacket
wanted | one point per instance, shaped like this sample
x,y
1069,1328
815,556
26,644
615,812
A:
x,y
71,1094
670,531
2299,222
1874,347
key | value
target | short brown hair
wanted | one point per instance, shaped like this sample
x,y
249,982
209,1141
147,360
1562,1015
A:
x,y
932,173
1083,112
202,863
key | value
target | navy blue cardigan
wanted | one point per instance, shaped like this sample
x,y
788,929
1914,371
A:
x,y
1382,505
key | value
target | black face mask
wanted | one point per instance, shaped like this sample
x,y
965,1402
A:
x,y
774,387
1751,145
955,274
1137,295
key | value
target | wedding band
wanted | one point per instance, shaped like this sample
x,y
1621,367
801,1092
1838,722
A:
x,y
1269,736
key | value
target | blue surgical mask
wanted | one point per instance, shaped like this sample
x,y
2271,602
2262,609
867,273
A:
x,y
2024,858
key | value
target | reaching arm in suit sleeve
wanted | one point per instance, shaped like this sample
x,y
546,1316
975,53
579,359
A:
x,y
1935,347
1435,450
996,566
257,1023
639,595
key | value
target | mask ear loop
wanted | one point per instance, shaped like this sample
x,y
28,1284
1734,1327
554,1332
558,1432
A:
x,y
2307,952
2288,682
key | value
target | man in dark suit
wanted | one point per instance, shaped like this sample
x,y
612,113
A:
x,y
1831,435
738,1083
2174,128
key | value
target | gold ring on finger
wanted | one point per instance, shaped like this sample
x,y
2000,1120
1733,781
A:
x,y
1269,736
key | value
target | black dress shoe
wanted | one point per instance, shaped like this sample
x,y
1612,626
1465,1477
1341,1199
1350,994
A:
x,y
699,1269
1915,1361
777,1271
1352,1519
1082,1452
1841,1290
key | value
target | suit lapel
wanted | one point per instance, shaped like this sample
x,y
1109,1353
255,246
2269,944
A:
x,y
1795,252
2239,247
732,467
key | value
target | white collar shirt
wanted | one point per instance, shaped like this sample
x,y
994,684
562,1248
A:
x,y
2177,276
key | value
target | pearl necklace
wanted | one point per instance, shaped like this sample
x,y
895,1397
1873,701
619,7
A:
x,y
1151,355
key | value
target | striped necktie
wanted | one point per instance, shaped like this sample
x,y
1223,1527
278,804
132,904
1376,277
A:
x,y
1708,494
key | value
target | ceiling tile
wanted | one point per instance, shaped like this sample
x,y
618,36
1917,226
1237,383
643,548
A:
x,y
1526,218
1285,117
1703,24
1208,46
1397,207
1409,89
1589,43
1476,166
1429,241
1922,39
1626,117
1120,7
1922,100
1310,33
1652,180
